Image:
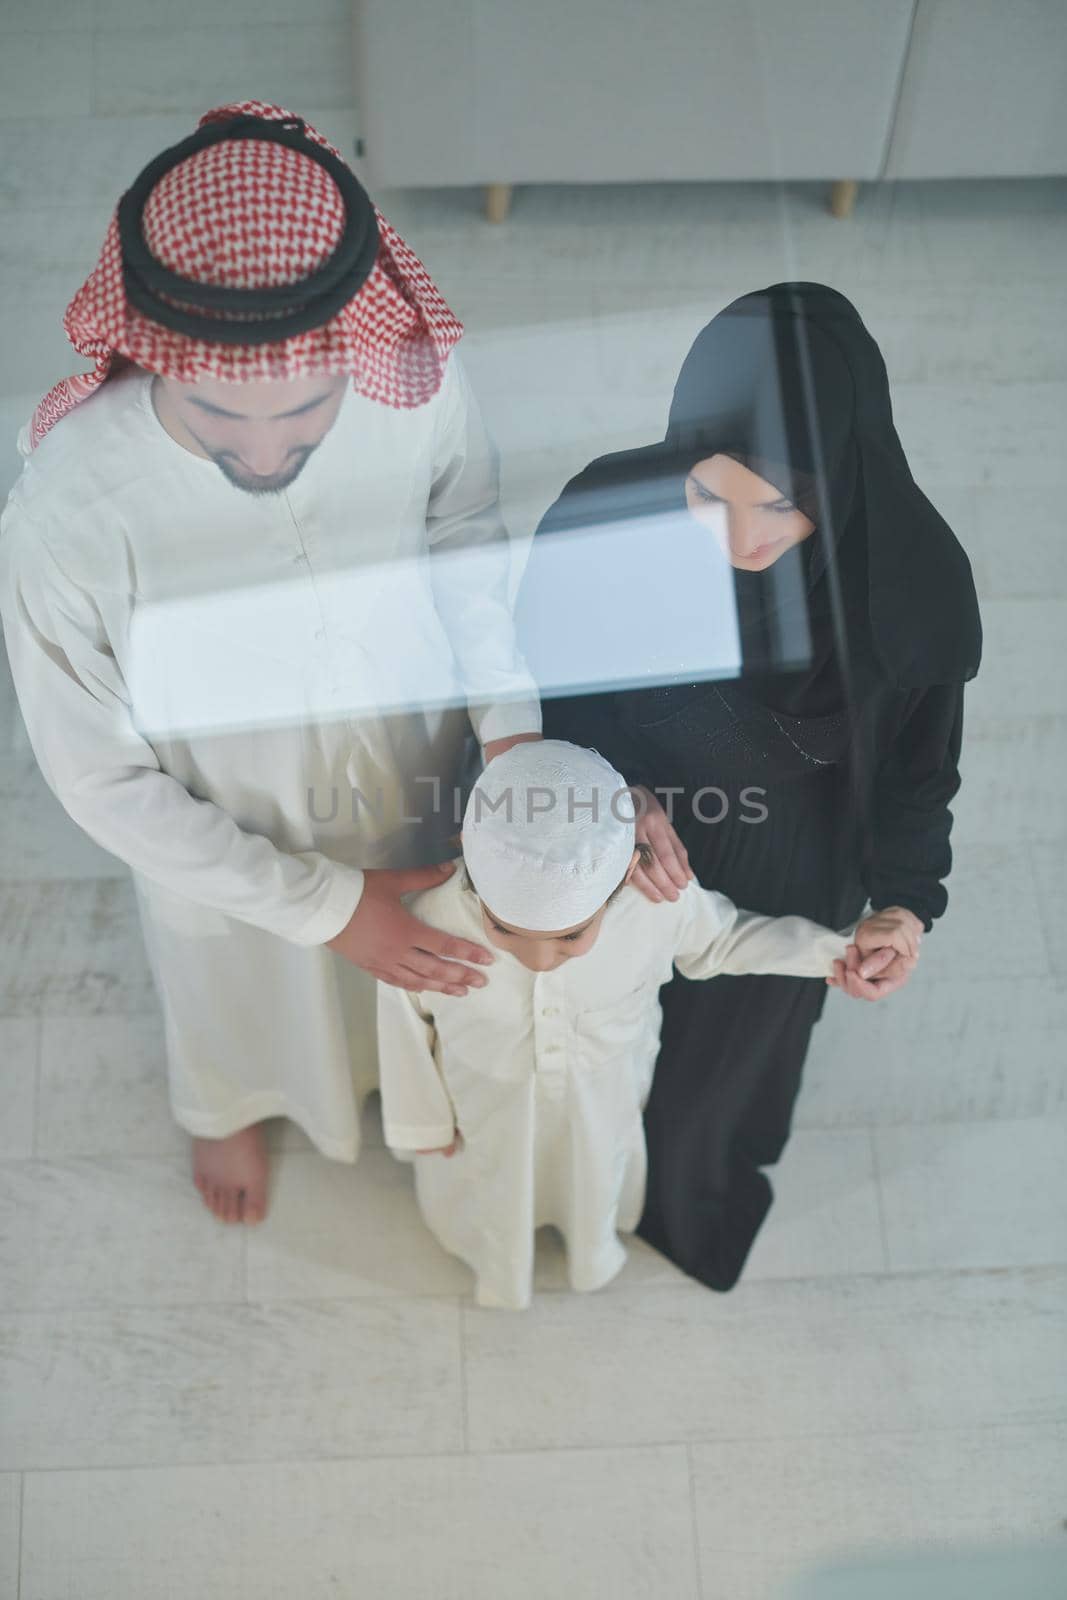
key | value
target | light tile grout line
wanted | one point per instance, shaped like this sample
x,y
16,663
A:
x,y
38,1053
298,1153
463,1393
1030,847
694,1527
623,1446
143,1154
444,1297
879,1201
18,1567
244,1264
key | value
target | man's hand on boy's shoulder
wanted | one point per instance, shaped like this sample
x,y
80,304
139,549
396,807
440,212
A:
x,y
883,956
385,939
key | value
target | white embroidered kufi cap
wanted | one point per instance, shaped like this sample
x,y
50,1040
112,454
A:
x,y
548,834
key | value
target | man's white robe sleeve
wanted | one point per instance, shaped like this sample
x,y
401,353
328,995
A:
x,y
469,569
417,1113
108,777
715,937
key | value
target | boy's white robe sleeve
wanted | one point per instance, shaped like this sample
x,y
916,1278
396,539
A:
x,y
470,556
716,938
109,780
417,1113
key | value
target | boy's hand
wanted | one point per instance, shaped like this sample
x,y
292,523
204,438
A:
x,y
446,1149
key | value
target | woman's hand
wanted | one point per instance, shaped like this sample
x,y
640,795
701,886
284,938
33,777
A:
x,y
901,930
884,956
670,871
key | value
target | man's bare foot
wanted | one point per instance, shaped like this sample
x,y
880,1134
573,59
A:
x,y
231,1175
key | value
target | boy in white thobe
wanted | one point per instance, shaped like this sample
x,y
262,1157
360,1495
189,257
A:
x,y
533,1087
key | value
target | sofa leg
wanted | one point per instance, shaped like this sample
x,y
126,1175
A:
x,y
497,201
843,196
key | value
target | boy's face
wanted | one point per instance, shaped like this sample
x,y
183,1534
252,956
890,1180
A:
x,y
544,952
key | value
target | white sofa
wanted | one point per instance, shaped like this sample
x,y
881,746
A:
x,y
505,92
984,91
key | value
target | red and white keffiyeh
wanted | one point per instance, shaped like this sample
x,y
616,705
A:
x,y
253,214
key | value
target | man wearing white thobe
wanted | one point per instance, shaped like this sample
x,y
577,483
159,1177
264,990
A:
x,y
227,606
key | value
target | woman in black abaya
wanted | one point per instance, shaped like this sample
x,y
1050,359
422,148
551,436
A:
x,y
781,442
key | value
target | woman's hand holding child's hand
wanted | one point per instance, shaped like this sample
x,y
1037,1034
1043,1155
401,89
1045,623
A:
x,y
883,957
896,928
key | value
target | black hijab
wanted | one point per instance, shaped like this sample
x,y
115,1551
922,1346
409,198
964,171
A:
x,y
789,382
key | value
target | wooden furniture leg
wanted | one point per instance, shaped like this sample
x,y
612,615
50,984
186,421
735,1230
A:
x,y
497,201
843,196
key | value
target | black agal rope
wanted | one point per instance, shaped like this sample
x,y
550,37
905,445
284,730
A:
x,y
226,315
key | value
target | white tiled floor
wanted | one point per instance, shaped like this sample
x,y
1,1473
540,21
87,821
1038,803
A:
x,y
316,1407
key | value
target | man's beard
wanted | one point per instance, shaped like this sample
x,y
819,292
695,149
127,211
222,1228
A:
x,y
253,485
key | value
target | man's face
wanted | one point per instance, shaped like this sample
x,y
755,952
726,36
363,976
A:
x,y
259,435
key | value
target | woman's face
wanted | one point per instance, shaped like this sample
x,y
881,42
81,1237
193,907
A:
x,y
751,519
